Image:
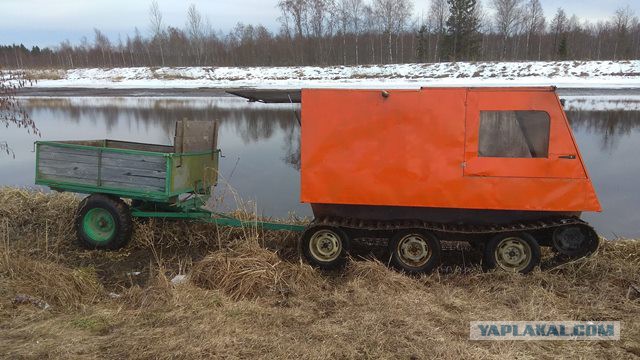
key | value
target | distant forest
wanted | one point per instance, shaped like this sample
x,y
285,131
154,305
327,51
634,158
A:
x,y
353,32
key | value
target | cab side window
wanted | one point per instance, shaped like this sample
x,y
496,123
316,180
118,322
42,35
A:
x,y
514,134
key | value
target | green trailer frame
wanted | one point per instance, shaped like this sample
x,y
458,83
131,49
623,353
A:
x,y
179,189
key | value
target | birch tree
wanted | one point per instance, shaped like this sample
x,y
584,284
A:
x,y
437,20
157,28
507,18
534,24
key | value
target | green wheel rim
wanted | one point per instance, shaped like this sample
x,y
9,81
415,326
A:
x,y
99,225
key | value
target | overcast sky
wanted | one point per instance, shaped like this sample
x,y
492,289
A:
x,y
48,22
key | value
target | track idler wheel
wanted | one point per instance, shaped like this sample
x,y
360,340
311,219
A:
x,y
325,247
575,240
512,252
414,251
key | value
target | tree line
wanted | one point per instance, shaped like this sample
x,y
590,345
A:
x,y
353,32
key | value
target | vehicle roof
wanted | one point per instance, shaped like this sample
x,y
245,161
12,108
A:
x,y
294,96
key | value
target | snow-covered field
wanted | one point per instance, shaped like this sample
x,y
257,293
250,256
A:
x,y
566,74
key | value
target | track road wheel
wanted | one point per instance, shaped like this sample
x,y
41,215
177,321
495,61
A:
x,y
514,252
103,223
414,251
575,240
325,247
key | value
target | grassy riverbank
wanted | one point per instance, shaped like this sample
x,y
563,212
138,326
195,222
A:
x,y
247,295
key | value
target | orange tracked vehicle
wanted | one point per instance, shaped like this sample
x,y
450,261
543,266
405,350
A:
x,y
405,169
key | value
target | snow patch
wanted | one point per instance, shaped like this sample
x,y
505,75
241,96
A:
x,y
564,74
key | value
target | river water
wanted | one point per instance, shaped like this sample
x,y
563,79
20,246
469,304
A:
x,y
260,144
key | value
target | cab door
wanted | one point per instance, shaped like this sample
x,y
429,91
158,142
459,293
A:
x,y
519,133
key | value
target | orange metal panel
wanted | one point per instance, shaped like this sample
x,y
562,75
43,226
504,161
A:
x,y
560,141
408,149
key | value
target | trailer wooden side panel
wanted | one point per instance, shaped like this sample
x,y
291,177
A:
x,y
96,167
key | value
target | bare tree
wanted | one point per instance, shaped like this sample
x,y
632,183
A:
x,y
437,20
371,27
507,18
157,26
295,12
622,22
320,21
196,30
11,113
103,45
335,32
534,24
356,9
344,21
393,15
66,50
558,29
404,12
349,17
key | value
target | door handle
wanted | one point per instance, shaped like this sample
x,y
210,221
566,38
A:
x,y
572,157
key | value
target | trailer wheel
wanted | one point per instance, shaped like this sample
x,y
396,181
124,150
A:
x,y
515,252
414,251
103,223
325,247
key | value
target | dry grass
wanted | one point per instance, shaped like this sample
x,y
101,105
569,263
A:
x,y
249,271
249,296
46,74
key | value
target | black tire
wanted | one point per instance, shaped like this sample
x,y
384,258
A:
x,y
414,251
575,241
512,252
325,247
103,223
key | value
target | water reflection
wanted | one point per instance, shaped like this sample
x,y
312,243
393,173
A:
x,y
609,126
261,144
252,122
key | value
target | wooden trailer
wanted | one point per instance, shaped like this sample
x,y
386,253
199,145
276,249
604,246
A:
x,y
161,181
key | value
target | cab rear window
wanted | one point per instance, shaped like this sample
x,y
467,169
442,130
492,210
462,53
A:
x,y
514,134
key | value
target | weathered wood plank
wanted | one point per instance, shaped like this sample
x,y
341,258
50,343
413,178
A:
x,y
107,161
129,186
133,180
83,159
138,165
142,173
127,145
133,157
63,165
198,127
72,172
43,149
197,143
178,136
193,136
94,143
68,179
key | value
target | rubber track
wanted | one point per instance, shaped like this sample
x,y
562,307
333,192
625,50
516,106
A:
x,y
374,225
